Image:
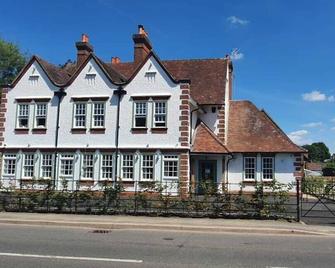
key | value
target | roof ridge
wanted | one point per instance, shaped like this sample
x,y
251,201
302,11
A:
x,y
195,59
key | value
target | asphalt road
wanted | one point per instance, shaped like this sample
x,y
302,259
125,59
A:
x,y
34,246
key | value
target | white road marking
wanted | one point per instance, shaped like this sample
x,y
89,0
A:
x,y
68,257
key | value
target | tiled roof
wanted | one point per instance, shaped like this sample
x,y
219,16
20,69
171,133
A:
x,y
208,76
205,141
252,130
314,166
56,74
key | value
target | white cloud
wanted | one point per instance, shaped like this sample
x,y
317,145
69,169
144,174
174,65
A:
x,y
313,124
316,95
333,128
332,120
237,21
236,55
299,136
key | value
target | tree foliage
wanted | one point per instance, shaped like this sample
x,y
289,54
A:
x,y
11,61
317,151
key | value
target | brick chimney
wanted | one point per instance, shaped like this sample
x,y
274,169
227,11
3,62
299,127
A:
x,y
142,45
116,60
84,48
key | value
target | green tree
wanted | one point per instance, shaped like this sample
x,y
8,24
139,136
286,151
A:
x,y
11,61
317,151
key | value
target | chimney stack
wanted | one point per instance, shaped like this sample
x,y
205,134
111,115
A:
x,y
84,48
142,45
116,60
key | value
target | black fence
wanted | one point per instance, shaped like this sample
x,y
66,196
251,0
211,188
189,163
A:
x,y
271,200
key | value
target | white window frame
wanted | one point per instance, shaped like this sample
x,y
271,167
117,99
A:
x,y
272,169
93,121
147,167
75,115
66,157
162,114
46,164
166,160
11,158
245,168
26,166
128,168
87,166
108,166
18,116
140,115
37,116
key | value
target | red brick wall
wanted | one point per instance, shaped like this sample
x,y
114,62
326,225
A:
x,y
221,123
298,165
184,174
3,110
184,115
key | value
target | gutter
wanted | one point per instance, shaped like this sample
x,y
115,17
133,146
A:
x,y
119,92
59,94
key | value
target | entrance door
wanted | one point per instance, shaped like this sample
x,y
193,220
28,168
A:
x,y
207,174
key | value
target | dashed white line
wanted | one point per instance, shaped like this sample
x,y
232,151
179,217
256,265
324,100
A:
x,y
8,254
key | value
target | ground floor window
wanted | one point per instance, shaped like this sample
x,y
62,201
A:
x,y
46,165
148,166
107,166
267,168
170,166
250,168
128,166
9,165
88,166
28,165
66,165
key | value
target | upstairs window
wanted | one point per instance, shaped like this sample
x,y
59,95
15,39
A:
x,y
41,115
267,168
46,165
80,115
23,116
140,114
98,115
9,164
148,167
160,114
170,166
88,166
28,166
250,168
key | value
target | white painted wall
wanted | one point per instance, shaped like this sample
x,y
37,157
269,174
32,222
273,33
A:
x,y
210,118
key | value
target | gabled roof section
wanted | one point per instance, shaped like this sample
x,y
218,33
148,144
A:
x,y
207,76
252,130
205,141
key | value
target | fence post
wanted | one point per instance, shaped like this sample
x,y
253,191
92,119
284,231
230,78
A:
x,y
298,198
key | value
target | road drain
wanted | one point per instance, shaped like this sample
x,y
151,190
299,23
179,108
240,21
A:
x,y
101,231
168,238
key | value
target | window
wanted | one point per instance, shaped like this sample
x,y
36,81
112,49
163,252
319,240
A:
x,y
267,168
107,166
46,165
160,114
23,116
41,115
98,114
80,115
9,164
250,168
140,115
88,166
128,166
66,165
170,166
28,166
148,167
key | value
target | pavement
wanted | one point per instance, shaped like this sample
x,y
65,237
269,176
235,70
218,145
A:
x,y
104,222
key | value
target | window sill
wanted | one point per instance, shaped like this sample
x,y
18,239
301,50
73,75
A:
x,y
39,131
78,130
249,181
161,130
21,130
95,130
137,130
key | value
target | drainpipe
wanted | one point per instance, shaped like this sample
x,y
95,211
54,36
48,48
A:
x,y
59,94
231,157
119,92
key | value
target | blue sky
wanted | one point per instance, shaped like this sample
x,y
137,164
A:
x,y
284,62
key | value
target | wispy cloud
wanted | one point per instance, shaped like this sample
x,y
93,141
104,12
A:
x,y
316,95
299,137
333,128
332,120
236,54
237,21
312,124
